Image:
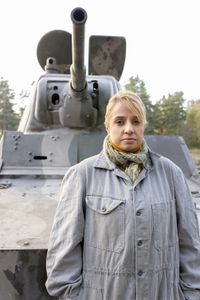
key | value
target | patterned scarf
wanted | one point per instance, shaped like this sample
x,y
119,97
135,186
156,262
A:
x,y
131,163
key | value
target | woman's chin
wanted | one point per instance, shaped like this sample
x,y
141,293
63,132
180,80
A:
x,y
129,148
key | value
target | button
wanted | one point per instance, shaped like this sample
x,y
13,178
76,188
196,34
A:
x,y
103,209
139,212
140,243
140,273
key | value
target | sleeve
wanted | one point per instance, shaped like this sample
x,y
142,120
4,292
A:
x,y
64,255
189,239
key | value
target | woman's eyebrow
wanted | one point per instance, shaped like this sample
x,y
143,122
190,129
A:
x,y
119,117
123,117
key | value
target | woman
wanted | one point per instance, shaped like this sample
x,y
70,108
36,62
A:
x,y
125,227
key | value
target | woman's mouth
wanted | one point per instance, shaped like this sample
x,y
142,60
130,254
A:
x,y
128,140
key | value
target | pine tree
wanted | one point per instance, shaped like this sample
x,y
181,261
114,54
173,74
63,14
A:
x,y
8,118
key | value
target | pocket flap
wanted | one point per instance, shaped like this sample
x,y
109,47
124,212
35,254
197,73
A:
x,y
102,205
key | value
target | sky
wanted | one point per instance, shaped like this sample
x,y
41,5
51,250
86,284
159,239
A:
x,y
162,36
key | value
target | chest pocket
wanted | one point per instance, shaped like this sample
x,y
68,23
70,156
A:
x,y
104,224
164,225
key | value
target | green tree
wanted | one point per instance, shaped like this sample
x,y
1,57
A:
x,y
193,122
170,114
8,118
137,85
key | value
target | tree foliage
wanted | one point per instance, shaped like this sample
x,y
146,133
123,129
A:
x,y
170,114
8,118
193,121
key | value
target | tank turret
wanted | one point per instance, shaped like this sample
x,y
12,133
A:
x,y
65,96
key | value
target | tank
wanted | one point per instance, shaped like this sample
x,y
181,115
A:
x,y
61,125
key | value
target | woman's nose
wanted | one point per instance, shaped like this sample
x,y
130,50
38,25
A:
x,y
128,128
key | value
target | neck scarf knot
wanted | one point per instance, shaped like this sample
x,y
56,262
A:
x,y
131,163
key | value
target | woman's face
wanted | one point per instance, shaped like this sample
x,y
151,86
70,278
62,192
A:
x,y
125,129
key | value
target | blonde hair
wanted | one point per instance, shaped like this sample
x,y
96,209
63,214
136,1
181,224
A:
x,y
131,100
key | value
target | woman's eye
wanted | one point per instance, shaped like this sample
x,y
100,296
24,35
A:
x,y
119,122
136,122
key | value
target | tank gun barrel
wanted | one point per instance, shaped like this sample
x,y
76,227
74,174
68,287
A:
x,y
78,70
